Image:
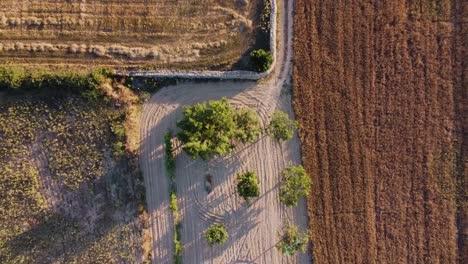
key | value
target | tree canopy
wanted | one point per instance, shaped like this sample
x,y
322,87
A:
x,y
281,126
247,185
216,234
208,128
295,184
247,125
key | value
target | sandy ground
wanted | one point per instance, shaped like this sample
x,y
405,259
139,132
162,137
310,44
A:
x,y
253,229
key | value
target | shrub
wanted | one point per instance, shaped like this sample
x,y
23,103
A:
x,y
292,240
295,183
281,127
216,235
247,185
261,60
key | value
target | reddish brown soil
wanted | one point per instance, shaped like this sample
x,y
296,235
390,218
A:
x,y
379,90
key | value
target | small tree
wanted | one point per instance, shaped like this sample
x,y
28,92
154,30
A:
x,y
216,234
247,185
292,241
261,60
295,183
281,126
247,125
207,129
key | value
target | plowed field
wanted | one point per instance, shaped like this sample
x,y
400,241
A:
x,y
379,92
151,33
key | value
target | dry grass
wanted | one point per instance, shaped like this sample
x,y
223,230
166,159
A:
x,y
154,33
72,200
379,93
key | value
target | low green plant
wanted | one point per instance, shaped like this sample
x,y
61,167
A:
x,y
178,247
265,21
247,185
169,157
292,241
261,60
216,235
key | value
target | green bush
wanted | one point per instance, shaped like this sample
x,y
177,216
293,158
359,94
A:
x,y
216,234
208,128
247,185
292,240
295,184
281,126
261,60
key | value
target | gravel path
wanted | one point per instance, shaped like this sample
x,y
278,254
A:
x,y
253,228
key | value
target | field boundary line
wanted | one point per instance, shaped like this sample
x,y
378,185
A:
x,y
221,75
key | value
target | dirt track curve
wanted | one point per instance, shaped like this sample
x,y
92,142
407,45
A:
x,y
253,229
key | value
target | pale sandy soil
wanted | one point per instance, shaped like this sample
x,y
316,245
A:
x,y
253,229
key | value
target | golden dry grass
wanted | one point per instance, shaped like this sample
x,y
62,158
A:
x,y
127,33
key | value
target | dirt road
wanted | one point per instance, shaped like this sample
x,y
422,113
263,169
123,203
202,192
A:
x,y
253,229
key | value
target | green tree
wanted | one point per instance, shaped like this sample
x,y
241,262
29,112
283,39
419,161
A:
x,y
247,125
281,126
207,129
292,241
216,234
295,184
247,185
261,60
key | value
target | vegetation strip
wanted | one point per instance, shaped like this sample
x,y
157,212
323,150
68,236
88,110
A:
x,y
170,168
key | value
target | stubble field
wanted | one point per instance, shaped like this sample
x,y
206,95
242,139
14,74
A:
x,y
128,33
379,93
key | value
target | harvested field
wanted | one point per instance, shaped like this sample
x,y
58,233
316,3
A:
x,y
379,92
128,33
65,196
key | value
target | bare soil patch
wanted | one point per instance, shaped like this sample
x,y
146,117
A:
x,y
379,93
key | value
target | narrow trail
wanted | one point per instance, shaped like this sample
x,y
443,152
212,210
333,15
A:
x,y
253,228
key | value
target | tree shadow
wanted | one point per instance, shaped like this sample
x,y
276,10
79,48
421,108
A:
x,y
82,221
